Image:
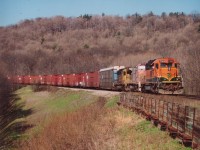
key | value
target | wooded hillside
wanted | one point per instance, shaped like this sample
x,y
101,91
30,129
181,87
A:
x,y
86,43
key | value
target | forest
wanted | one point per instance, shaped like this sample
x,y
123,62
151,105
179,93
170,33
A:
x,y
61,45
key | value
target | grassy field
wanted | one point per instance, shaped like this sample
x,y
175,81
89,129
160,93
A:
x,y
48,104
65,119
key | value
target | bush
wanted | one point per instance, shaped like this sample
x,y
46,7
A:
x,y
10,111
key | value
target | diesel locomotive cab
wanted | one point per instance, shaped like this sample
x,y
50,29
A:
x,y
169,71
163,76
124,81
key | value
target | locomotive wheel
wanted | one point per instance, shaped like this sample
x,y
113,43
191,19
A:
x,y
127,88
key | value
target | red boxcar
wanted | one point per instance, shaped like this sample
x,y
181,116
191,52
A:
x,y
27,79
36,79
72,80
80,80
43,79
54,80
48,79
60,80
83,80
66,80
32,80
92,79
18,79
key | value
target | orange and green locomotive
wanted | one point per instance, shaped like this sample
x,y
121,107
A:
x,y
160,75
163,75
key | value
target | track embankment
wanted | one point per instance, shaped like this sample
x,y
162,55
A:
x,y
177,115
103,93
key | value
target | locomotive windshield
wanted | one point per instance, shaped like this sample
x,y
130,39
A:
x,y
129,71
166,65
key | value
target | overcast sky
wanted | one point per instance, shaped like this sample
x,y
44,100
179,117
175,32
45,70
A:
x,y
14,11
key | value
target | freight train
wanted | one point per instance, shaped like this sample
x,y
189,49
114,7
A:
x,y
160,75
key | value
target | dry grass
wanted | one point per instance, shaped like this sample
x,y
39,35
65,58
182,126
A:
x,y
99,125
97,128
73,130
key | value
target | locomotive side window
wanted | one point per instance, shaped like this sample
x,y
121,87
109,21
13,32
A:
x,y
156,66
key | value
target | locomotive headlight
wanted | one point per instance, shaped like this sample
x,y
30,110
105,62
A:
x,y
163,79
178,78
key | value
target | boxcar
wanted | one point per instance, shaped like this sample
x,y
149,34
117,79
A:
x,y
108,76
19,79
92,79
48,79
66,80
60,80
32,80
72,80
26,79
42,79
36,79
54,80
80,80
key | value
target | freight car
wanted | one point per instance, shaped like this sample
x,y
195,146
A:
x,y
160,75
91,80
